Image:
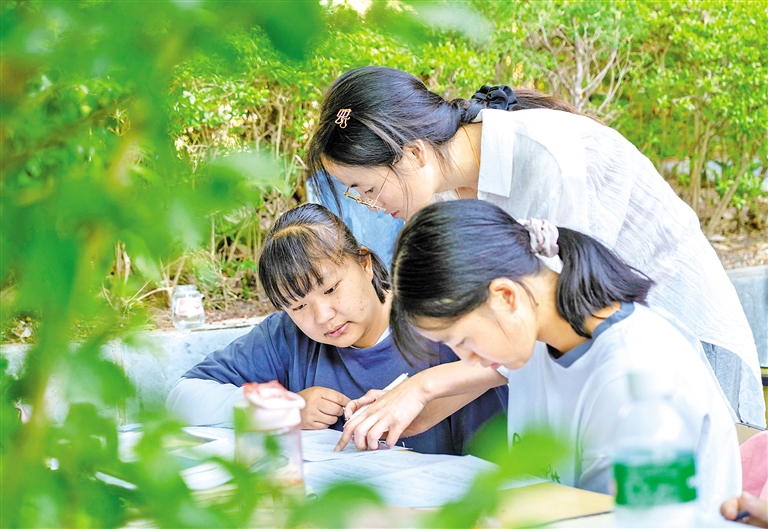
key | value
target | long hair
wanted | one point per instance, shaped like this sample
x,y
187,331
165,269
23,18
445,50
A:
x,y
297,246
389,109
449,253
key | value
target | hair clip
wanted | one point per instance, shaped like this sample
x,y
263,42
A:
x,y
342,117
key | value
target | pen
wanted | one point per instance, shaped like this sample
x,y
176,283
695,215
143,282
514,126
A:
x,y
741,515
391,385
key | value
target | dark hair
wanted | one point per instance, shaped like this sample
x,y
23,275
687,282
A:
x,y
449,253
390,109
297,246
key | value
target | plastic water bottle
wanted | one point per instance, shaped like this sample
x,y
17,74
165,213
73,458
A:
x,y
654,463
268,434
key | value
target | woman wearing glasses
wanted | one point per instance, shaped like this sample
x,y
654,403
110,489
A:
x,y
398,146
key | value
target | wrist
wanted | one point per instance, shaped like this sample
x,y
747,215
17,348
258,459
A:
x,y
425,385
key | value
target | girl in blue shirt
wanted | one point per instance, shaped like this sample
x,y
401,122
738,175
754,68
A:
x,y
329,343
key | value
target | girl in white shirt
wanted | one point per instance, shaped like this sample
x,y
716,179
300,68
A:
x,y
400,147
468,275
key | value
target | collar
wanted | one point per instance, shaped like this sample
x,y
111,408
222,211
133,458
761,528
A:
x,y
569,358
383,337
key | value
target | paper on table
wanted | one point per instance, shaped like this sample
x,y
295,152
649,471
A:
x,y
318,445
205,476
520,481
209,474
209,432
126,444
406,479
224,448
320,475
430,485
198,476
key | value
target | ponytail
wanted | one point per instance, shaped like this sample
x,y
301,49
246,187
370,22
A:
x,y
503,97
593,278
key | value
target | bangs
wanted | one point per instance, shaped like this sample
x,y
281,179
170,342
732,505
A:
x,y
293,262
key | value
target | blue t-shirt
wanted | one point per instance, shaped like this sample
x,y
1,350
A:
x,y
276,349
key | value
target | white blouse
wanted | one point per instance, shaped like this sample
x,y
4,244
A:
x,y
582,175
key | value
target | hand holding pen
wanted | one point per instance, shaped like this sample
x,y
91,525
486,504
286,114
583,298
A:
x,y
369,425
391,385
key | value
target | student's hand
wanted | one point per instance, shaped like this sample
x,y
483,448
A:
x,y
757,509
369,398
324,407
389,412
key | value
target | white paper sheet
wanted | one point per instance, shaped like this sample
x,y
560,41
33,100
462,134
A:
x,y
399,475
321,474
318,445
224,448
126,444
520,481
205,476
430,485
209,432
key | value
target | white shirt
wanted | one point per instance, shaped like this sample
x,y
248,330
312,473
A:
x,y
580,395
582,175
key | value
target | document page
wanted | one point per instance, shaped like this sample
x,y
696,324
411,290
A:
x,y
430,485
318,445
320,475
210,432
401,476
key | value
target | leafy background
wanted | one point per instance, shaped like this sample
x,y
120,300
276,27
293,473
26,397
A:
x,y
681,80
150,144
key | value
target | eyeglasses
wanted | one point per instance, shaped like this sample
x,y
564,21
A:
x,y
369,203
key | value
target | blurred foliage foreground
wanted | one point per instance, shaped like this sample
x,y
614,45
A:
x,y
148,144
96,203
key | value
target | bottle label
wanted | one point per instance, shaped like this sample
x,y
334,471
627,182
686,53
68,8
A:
x,y
652,484
189,307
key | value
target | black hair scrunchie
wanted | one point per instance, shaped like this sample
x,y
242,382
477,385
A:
x,y
497,97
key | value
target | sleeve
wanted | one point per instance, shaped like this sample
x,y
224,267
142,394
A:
x,y
203,402
467,421
206,393
262,355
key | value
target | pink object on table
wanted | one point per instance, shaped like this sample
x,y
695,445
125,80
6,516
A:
x,y
754,465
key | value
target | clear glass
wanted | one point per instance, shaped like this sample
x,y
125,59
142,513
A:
x,y
276,453
187,311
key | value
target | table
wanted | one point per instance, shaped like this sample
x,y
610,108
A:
x,y
535,504
543,503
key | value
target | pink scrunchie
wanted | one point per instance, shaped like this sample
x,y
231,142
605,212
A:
x,y
543,235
